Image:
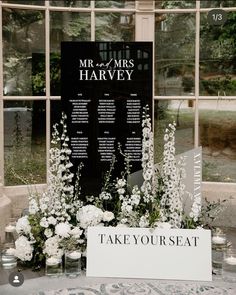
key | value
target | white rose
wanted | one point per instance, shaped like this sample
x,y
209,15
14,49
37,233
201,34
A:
x,y
108,216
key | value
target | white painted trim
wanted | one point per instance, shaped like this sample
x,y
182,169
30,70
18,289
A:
x,y
197,58
144,26
48,89
93,23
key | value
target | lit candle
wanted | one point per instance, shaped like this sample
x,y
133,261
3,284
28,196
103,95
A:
x,y
231,260
10,251
74,255
52,261
10,228
218,240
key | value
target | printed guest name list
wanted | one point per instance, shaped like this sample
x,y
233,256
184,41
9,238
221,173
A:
x,y
105,86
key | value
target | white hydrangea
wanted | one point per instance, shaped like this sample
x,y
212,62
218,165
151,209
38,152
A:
x,y
63,229
51,247
52,220
89,215
24,250
23,226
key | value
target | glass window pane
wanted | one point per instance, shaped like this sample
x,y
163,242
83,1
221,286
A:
x,y
174,54
23,43
24,142
115,4
175,4
218,139
167,111
219,3
29,2
114,27
65,26
218,57
70,3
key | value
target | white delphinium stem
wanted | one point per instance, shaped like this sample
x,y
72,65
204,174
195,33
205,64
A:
x,y
173,188
196,207
147,158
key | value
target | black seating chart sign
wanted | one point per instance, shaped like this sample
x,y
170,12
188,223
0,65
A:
x,y
105,86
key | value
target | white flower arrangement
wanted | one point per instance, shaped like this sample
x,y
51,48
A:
x,y
58,219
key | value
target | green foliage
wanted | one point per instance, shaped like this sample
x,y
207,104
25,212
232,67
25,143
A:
x,y
209,212
221,85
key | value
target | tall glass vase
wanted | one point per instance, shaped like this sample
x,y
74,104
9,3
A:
x,y
72,263
54,267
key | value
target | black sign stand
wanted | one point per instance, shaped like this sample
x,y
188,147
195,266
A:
x,y
105,86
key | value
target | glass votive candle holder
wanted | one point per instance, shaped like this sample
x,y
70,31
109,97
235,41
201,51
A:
x,y
219,244
8,259
53,267
72,263
229,266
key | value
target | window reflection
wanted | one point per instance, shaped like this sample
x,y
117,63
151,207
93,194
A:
x,y
218,57
218,3
175,4
180,111
175,51
70,3
28,2
23,41
65,26
24,142
115,4
218,139
114,27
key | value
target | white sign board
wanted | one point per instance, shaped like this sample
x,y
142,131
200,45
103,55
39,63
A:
x,y
193,180
147,253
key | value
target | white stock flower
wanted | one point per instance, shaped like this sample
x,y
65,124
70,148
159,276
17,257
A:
x,y
144,222
105,196
121,183
33,206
